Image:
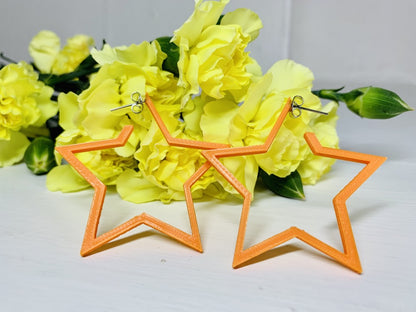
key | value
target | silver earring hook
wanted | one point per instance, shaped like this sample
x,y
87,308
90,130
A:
x,y
297,107
136,106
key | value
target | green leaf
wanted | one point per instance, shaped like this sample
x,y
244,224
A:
x,y
53,126
170,64
290,186
75,81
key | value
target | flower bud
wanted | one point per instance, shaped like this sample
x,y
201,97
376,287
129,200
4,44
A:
x,y
369,102
39,156
375,103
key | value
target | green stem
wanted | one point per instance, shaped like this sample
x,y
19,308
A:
x,y
329,94
52,80
7,59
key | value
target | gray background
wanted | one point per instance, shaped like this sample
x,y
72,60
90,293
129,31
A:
x,y
341,41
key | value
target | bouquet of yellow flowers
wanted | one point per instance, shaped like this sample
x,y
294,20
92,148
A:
x,y
206,87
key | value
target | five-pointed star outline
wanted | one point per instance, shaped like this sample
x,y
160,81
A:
x,y
91,241
349,257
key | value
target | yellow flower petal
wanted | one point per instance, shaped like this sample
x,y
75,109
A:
x,y
192,113
133,187
12,150
313,167
284,155
290,75
74,52
169,167
44,49
65,179
144,54
100,100
47,107
106,55
244,168
215,122
206,13
68,110
255,94
247,19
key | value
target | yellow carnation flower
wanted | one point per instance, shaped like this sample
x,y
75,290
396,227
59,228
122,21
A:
x,y
251,123
45,50
213,57
123,72
87,117
106,164
211,118
24,102
168,167
258,114
73,53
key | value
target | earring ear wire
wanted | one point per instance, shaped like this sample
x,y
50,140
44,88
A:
x,y
136,106
296,109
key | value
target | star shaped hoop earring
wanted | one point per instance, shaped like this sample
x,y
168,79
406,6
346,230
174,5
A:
x,y
349,257
91,241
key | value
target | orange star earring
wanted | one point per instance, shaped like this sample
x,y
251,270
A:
x,y
91,241
349,257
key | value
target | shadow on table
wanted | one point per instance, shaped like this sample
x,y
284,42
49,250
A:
x,y
131,238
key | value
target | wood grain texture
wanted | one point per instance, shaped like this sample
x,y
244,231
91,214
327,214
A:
x,y
43,272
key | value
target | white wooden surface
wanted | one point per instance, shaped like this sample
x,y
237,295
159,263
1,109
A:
x,y
41,232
